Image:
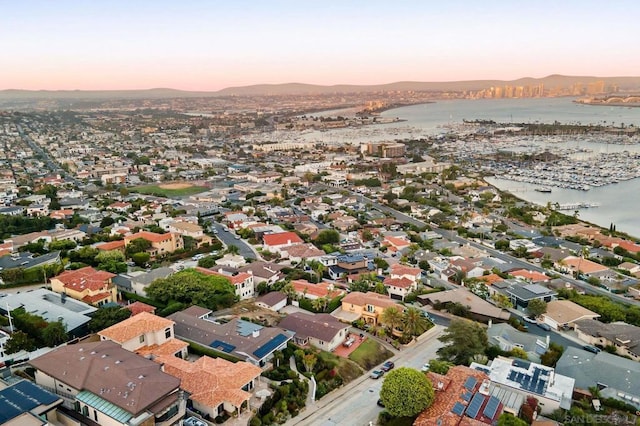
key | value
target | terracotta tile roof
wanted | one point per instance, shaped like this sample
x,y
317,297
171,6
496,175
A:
x,y
91,299
586,266
135,326
398,282
399,269
491,278
281,239
530,275
168,348
397,242
111,245
212,381
85,278
139,307
150,236
322,289
370,298
629,246
450,392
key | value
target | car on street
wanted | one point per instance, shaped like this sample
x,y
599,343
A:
x,y
529,320
544,326
237,237
376,374
387,366
380,403
591,349
425,367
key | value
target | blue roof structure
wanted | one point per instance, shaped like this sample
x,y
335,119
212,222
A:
x,y
263,350
474,406
21,398
491,408
246,328
222,346
458,409
470,383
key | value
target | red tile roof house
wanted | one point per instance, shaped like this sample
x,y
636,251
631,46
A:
x,y
402,281
88,285
145,334
461,398
395,244
242,282
275,242
316,291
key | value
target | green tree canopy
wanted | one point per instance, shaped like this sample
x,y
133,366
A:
x,y
406,392
193,288
54,334
392,317
507,419
327,236
112,261
19,341
136,246
86,255
414,322
537,307
463,339
106,317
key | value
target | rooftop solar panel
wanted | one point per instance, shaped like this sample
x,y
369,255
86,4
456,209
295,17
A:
x,y
222,346
470,383
458,409
467,396
491,408
271,345
474,406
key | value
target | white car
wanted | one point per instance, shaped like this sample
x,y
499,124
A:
x,y
425,367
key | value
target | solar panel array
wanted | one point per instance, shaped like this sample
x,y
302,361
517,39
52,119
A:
x,y
474,406
491,408
470,383
467,396
532,383
458,409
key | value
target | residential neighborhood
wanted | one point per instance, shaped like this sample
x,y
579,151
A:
x,y
166,268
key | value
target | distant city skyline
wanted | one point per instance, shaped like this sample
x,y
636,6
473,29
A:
x,y
199,45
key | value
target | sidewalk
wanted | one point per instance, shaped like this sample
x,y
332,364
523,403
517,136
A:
x,y
311,395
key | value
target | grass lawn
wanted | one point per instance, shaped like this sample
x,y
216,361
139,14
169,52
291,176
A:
x,y
347,369
158,191
369,354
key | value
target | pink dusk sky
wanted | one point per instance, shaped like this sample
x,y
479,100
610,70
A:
x,y
206,45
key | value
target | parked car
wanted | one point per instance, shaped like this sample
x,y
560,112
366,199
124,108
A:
x,y
387,366
376,374
425,367
592,349
544,326
380,403
529,320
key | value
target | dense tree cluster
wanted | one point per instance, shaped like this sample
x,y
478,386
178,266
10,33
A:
x,y
193,288
463,339
35,332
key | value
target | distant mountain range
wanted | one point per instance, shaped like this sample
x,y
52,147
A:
x,y
624,83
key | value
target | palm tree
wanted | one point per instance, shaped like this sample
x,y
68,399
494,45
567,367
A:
x,y
392,317
414,323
